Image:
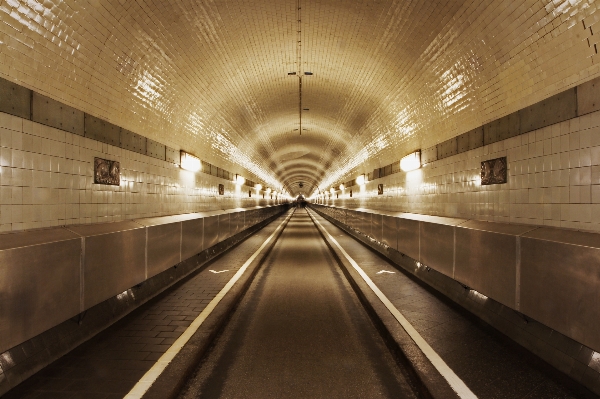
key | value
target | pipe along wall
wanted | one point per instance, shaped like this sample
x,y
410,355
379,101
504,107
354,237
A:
x,y
538,285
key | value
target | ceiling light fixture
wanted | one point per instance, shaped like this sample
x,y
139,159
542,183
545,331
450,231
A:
x,y
190,162
361,180
239,180
411,161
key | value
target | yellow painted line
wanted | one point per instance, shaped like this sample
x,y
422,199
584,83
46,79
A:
x,y
453,380
142,386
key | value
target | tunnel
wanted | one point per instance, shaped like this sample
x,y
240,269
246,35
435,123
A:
x,y
299,199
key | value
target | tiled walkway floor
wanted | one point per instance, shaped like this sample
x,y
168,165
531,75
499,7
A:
x,y
111,363
489,364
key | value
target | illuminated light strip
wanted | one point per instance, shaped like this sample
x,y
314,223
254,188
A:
x,y
144,384
453,380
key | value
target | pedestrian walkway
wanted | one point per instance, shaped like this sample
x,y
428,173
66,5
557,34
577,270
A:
x,y
300,332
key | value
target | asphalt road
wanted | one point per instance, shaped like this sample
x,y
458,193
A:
x,y
299,332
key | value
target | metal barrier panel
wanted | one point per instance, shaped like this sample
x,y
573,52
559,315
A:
x,y
364,220
408,237
192,237
376,227
437,246
163,243
560,276
39,283
224,227
211,231
389,231
236,223
114,259
486,258
352,219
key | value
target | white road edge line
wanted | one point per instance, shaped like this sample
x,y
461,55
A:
x,y
142,386
454,381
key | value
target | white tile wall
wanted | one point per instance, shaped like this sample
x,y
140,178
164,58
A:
x,y
46,179
553,179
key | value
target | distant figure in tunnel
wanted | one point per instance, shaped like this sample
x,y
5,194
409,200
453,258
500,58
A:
x,y
300,202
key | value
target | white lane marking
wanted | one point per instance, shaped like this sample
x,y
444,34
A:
x,y
152,375
222,271
384,271
454,381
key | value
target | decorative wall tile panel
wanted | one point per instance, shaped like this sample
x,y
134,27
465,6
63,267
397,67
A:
x,y
493,171
107,172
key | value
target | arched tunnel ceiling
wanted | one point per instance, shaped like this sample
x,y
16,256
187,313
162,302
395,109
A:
x,y
211,77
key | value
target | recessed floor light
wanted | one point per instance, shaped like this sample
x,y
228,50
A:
x,y
291,73
308,73
306,109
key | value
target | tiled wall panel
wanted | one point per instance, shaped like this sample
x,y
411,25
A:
x,y
46,180
553,180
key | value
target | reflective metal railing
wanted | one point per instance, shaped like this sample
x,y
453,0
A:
x,y
549,274
50,275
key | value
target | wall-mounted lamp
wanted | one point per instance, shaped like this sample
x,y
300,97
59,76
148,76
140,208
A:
x,y
190,162
411,161
342,186
258,187
239,180
361,180
332,190
268,190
